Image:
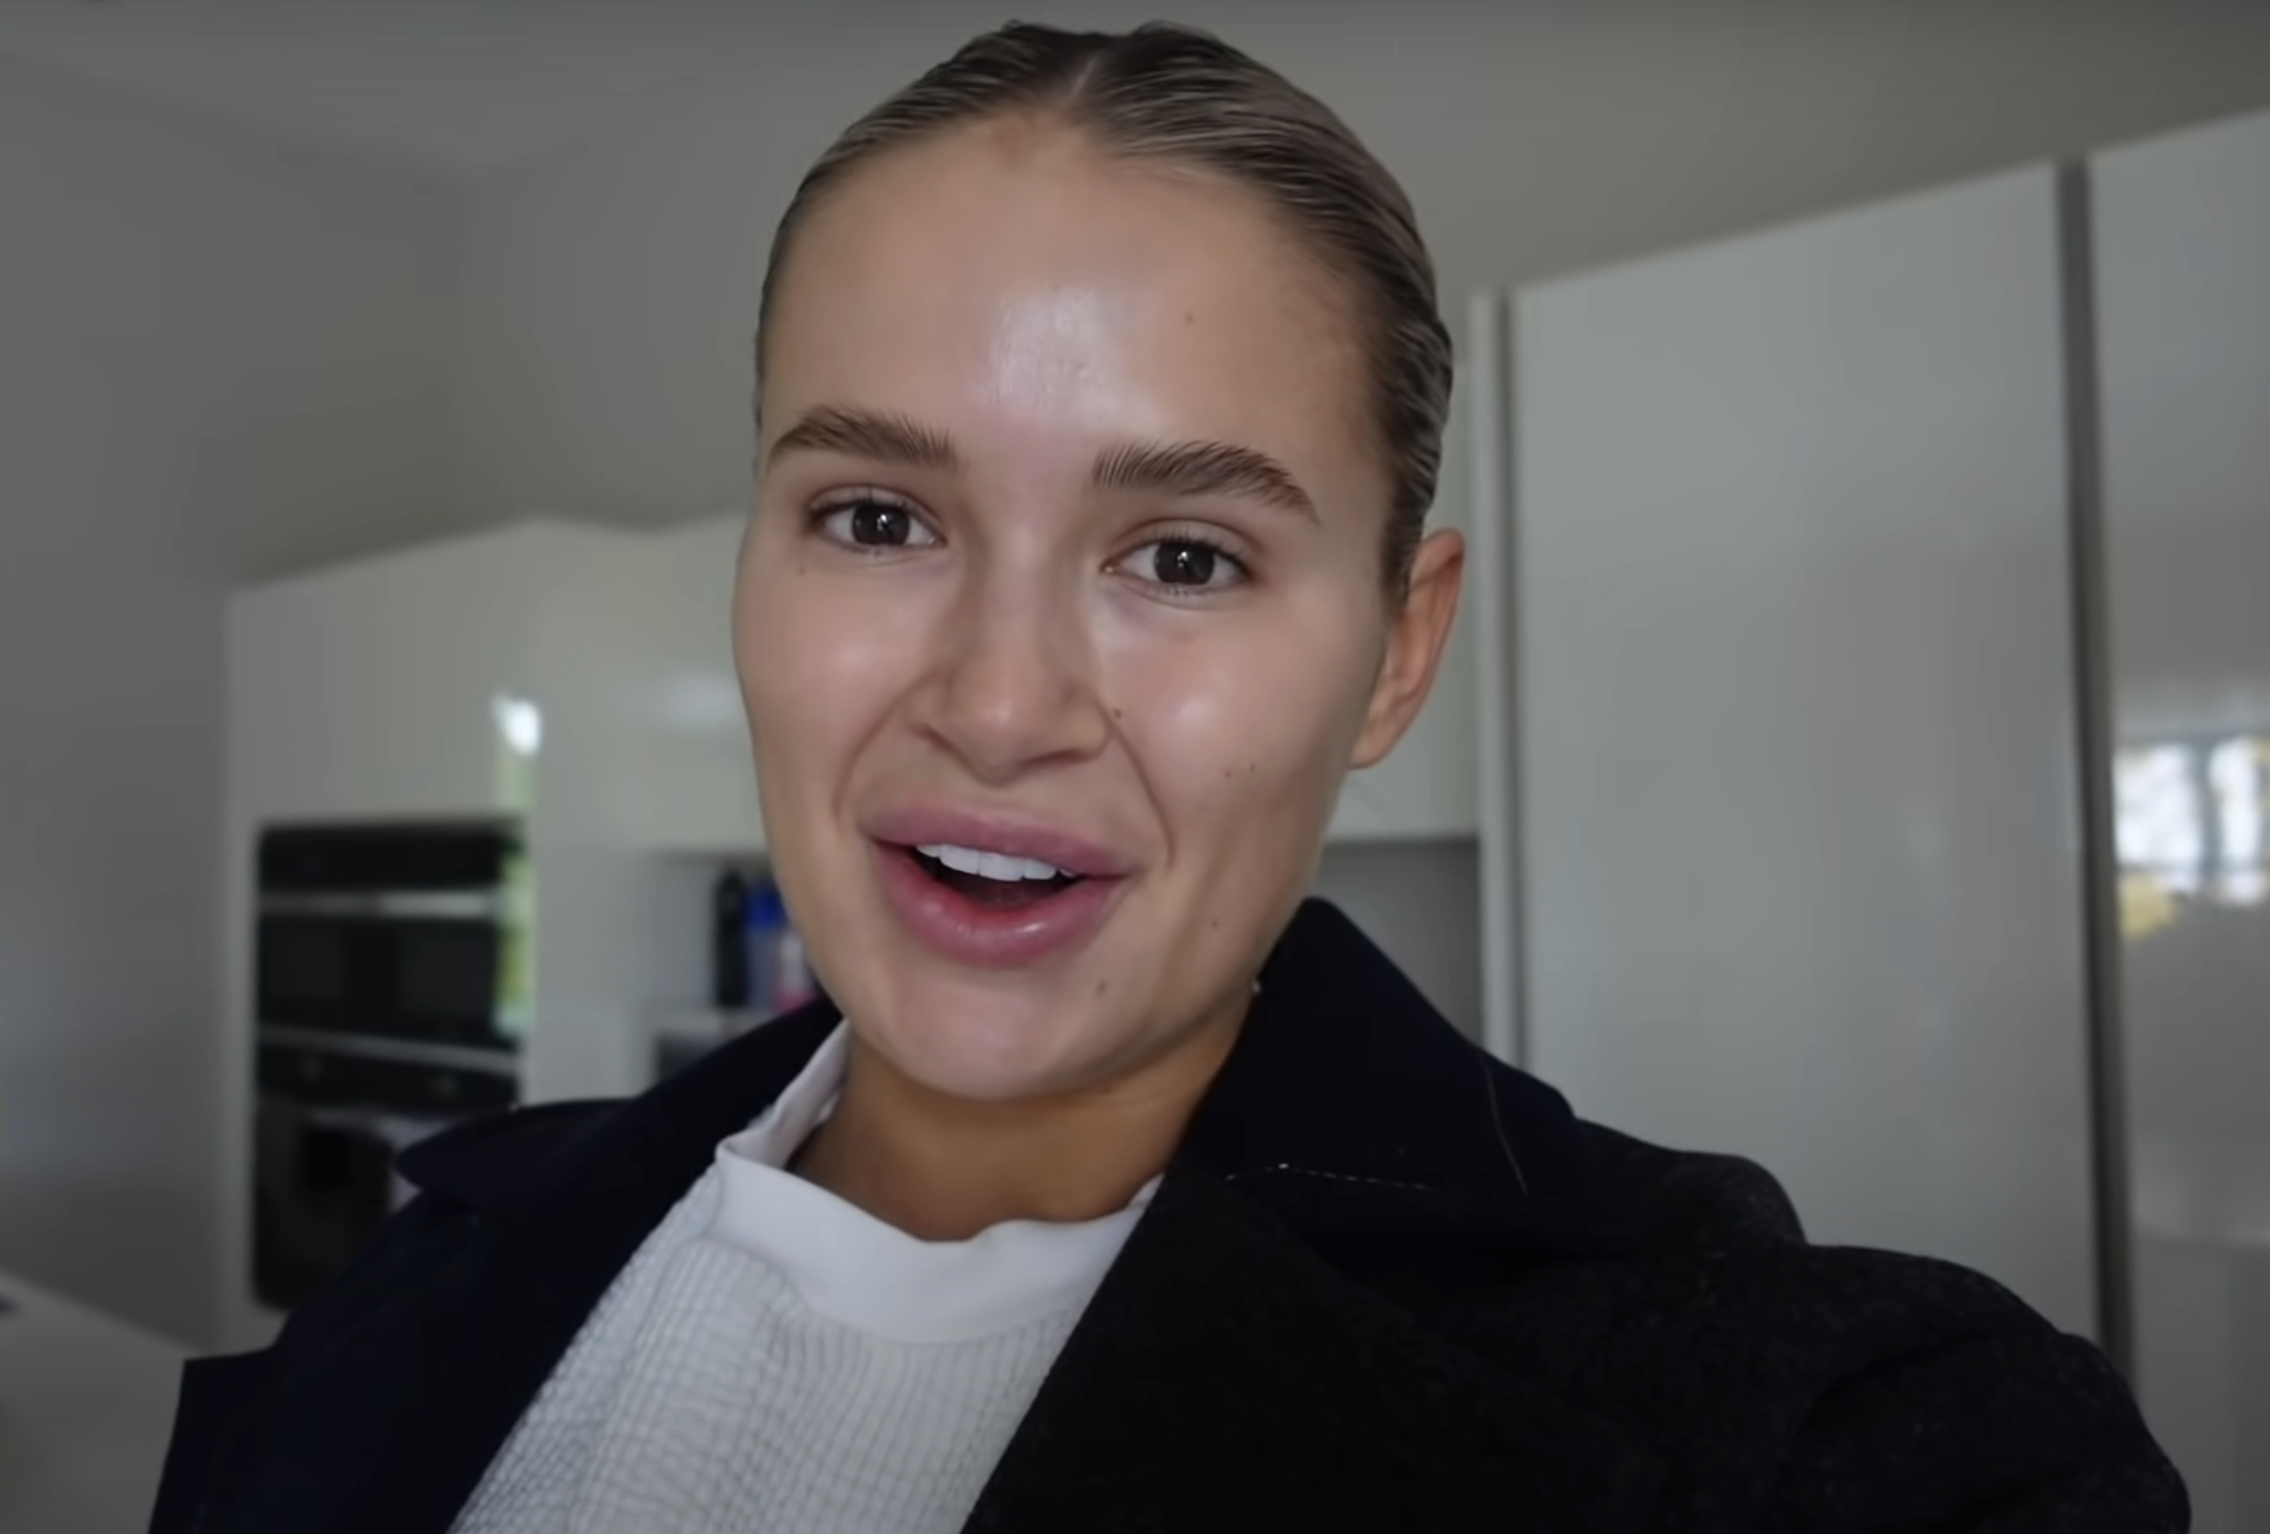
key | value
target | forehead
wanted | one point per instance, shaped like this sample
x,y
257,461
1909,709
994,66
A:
x,y
1013,277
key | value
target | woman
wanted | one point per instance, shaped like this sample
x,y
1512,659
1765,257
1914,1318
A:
x,y
1101,388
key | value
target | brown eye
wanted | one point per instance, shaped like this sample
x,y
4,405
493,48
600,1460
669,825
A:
x,y
869,523
1185,566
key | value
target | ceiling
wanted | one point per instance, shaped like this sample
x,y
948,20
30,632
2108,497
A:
x,y
464,86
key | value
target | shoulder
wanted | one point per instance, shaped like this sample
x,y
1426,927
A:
x,y
1684,1198
1824,1386
1724,1260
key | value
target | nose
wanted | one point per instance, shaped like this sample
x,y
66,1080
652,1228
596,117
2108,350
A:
x,y
1014,686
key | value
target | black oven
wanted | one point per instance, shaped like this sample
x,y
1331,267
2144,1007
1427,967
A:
x,y
326,1128
392,990
416,933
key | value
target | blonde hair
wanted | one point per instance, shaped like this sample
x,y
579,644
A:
x,y
1178,95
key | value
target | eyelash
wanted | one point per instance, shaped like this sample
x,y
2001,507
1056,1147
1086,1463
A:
x,y
820,514
1196,538
1188,537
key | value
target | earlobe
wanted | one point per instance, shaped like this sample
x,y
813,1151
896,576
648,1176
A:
x,y
1416,635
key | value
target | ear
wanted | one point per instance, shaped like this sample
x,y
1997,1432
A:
x,y
1416,634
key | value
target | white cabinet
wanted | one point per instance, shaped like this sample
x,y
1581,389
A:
x,y
1797,783
498,675
473,676
2182,245
372,689
697,789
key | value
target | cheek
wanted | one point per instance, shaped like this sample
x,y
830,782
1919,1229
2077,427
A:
x,y
820,661
1248,730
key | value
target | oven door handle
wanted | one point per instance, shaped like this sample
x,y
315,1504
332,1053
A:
x,y
398,1130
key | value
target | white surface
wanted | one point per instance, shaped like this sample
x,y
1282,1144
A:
x,y
86,1411
697,789
222,353
2183,266
1799,820
369,689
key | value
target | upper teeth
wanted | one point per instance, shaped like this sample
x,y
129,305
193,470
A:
x,y
989,865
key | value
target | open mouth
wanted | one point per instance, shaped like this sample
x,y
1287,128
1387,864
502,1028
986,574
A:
x,y
989,907
992,880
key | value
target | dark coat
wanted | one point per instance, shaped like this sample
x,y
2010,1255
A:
x,y
1387,1284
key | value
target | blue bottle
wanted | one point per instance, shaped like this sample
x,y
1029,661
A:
x,y
779,978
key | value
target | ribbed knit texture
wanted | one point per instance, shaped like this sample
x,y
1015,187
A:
x,y
709,1391
738,1407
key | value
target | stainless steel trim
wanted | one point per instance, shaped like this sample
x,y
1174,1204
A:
x,y
364,1046
2093,725
440,905
1496,618
373,1122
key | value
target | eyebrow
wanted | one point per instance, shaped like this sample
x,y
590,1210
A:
x,y
872,434
1203,468
1173,468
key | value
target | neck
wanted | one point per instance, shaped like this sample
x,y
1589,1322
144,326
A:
x,y
943,1168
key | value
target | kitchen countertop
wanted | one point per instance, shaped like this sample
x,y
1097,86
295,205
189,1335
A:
x,y
86,1407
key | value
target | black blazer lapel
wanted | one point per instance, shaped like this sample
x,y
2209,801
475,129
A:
x,y
1226,1376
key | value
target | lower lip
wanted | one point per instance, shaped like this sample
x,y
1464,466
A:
x,y
989,937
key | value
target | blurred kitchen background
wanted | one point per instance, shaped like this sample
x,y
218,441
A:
x,y
1853,753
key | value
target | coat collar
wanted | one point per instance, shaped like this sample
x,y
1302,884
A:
x,y
1356,1112
1229,1373
1348,1106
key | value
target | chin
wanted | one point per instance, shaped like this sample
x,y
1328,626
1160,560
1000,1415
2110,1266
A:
x,y
992,1043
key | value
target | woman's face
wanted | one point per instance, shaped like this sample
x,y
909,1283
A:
x,y
1060,617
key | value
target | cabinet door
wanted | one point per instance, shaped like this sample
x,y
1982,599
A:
x,y
2183,327
385,687
698,790
1798,775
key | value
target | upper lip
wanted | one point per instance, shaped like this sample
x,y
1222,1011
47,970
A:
x,y
1006,832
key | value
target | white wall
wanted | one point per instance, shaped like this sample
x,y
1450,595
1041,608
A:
x,y
219,355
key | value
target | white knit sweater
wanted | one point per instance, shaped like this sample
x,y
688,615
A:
x,y
775,1359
